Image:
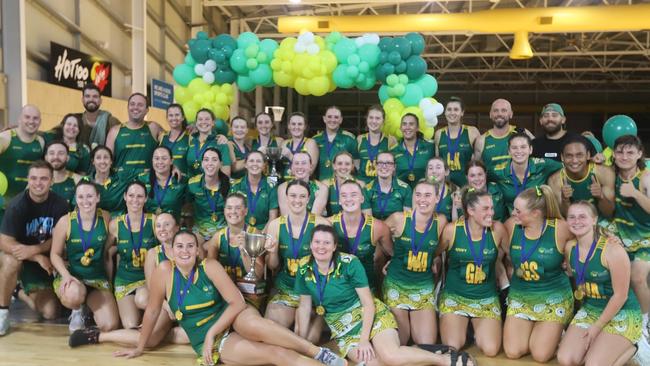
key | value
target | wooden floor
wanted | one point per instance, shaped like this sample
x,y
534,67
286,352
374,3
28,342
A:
x,y
38,344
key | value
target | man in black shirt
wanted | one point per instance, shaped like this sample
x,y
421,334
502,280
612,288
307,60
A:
x,y
25,240
550,145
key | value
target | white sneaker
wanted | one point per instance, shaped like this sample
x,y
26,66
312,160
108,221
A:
x,y
76,320
642,355
4,321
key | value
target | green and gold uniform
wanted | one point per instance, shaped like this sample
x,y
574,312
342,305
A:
x,y
540,290
333,205
301,147
169,199
179,149
632,222
273,142
463,151
539,170
195,151
92,270
470,289
581,187
259,203
15,162
207,206
78,158
365,245
368,156
340,301
112,191
384,204
599,289
409,280
239,156
130,268
66,189
201,307
161,256
446,203
497,202
495,149
133,148
291,249
424,150
343,141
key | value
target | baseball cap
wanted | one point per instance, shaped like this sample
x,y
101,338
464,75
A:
x,y
553,107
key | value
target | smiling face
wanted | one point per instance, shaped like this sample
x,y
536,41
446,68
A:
x,y
135,197
165,227
500,113
343,166
626,156
385,165
175,118
409,127
552,122
520,150
185,249
211,163
581,219
454,113
255,163
162,161
425,198
350,197
91,100
204,122
522,214
239,128
39,181
476,177
29,119
297,126
71,128
102,161
322,246
87,198
436,169
575,157
298,197
375,121
57,156
301,166
137,108
333,119
482,211
264,124
235,210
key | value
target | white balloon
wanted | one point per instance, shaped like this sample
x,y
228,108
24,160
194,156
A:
x,y
428,113
359,41
438,108
307,37
313,49
431,122
300,47
210,65
199,69
373,38
424,103
208,77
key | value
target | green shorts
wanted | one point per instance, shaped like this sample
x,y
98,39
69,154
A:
x,y
487,308
284,296
556,306
125,289
409,296
101,284
626,323
34,278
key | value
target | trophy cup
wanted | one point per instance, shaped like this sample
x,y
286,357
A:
x,y
274,154
254,247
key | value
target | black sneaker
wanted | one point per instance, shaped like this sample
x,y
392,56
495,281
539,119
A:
x,y
83,337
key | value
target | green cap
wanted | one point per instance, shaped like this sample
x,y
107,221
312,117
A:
x,y
553,107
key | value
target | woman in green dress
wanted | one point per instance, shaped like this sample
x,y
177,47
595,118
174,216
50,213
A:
x,y
540,300
297,142
177,139
81,237
413,152
290,234
363,327
212,312
239,146
165,192
134,237
302,167
477,179
201,141
473,245
409,284
385,193
343,166
608,324
372,143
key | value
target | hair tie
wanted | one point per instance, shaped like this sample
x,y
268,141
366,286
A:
x,y
471,190
538,191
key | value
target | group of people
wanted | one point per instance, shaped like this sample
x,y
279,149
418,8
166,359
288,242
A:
x,y
405,249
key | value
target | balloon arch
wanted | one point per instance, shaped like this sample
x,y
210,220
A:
x,y
312,65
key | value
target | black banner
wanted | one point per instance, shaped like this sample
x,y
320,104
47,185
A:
x,y
73,69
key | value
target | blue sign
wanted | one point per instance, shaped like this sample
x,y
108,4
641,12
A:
x,y
162,94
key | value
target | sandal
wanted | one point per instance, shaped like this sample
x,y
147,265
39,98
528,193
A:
x,y
464,358
439,349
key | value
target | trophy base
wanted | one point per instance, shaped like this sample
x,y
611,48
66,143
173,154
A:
x,y
252,287
272,180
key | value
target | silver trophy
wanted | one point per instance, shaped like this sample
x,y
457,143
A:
x,y
274,154
254,248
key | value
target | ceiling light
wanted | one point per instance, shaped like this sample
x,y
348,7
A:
x,y
295,1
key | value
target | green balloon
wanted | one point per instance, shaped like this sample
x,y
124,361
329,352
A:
x,y
245,83
262,75
412,95
183,74
245,39
392,80
341,78
251,63
617,126
238,61
189,60
594,141
220,127
251,50
417,42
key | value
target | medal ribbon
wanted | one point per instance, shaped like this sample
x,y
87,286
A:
x,y
156,190
478,258
293,151
515,180
211,202
525,256
411,158
86,240
253,199
580,270
357,239
442,196
321,281
169,144
415,248
382,199
233,259
373,150
329,145
295,244
180,295
452,149
243,151
199,153
136,249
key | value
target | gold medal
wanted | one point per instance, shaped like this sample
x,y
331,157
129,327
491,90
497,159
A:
x,y
196,165
252,220
320,310
328,164
578,294
179,315
519,272
158,211
89,252
85,261
411,177
213,217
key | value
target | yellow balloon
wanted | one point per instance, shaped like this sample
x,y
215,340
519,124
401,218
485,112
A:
x,y
319,86
198,86
302,86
